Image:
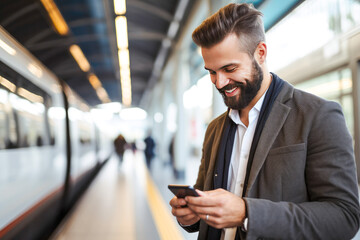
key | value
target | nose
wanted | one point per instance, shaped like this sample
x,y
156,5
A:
x,y
221,80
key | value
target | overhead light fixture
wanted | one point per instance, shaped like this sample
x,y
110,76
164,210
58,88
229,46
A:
x,y
30,96
126,95
56,17
158,117
124,58
94,81
102,95
113,107
121,32
6,83
123,55
7,48
120,7
133,114
125,73
80,58
100,91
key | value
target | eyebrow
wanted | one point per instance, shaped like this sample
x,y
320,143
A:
x,y
225,66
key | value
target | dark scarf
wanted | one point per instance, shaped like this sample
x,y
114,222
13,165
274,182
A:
x,y
226,145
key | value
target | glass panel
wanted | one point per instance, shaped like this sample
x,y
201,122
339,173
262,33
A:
x,y
310,26
326,86
3,124
26,121
335,86
346,82
347,105
8,134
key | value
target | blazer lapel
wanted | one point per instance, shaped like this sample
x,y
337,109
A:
x,y
271,130
215,147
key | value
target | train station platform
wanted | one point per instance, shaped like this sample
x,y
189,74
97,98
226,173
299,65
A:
x,y
127,201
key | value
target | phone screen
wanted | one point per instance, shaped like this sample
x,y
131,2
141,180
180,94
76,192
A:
x,y
182,191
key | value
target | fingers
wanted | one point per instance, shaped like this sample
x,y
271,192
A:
x,y
177,202
182,213
188,220
206,199
179,207
218,208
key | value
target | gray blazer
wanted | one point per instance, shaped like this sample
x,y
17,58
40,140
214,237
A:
x,y
303,182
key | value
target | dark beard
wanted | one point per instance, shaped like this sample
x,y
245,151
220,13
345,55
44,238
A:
x,y
247,91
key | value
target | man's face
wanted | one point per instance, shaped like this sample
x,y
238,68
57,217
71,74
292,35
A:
x,y
236,75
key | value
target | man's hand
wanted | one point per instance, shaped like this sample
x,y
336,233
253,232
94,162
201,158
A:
x,y
183,214
224,209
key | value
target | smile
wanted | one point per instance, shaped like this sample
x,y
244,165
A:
x,y
231,90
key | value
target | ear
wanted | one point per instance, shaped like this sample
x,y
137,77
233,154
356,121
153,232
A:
x,y
260,53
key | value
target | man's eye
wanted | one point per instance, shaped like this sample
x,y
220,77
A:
x,y
212,72
230,69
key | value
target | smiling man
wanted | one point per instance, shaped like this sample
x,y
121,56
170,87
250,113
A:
x,y
279,164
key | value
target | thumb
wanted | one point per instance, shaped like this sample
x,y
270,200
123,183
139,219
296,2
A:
x,y
201,193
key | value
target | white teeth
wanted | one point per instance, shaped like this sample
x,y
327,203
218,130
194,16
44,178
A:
x,y
231,90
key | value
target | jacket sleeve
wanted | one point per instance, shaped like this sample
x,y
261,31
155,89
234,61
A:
x,y
332,209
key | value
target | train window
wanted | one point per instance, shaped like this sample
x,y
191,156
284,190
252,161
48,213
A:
x,y
30,117
3,99
81,118
26,119
8,134
85,132
335,86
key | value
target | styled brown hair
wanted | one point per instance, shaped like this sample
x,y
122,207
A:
x,y
242,19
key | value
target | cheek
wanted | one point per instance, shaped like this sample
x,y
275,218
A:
x,y
243,74
213,78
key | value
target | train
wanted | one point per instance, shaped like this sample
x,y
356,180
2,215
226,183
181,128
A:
x,y
50,146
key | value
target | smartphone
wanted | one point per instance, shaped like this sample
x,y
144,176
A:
x,y
182,191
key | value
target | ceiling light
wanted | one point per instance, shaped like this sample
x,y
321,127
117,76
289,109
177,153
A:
x,y
56,17
80,58
124,59
120,7
133,114
125,73
94,81
158,117
30,96
100,91
6,83
113,106
126,97
121,32
102,95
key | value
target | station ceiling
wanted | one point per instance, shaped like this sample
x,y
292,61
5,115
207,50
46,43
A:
x,y
152,31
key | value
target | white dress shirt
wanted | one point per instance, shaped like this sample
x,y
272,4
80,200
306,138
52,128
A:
x,y
240,155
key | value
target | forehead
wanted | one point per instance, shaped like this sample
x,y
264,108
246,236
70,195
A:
x,y
225,52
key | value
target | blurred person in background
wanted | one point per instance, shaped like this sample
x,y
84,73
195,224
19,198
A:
x,y
172,157
120,146
149,149
279,164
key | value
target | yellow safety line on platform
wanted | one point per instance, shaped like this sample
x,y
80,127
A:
x,y
164,221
